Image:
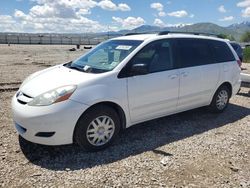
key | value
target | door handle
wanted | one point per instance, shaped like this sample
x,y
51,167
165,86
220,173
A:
x,y
184,74
173,76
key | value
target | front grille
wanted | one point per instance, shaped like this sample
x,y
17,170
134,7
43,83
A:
x,y
45,134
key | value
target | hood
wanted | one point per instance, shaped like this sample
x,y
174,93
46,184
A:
x,y
53,78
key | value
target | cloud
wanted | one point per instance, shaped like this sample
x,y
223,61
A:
x,y
129,22
246,13
58,16
6,19
227,18
178,14
61,16
83,12
8,24
124,7
245,3
159,23
161,14
45,11
19,14
109,5
158,6
61,8
222,9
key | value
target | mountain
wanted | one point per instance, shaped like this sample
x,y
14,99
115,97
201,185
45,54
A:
x,y
207,28
147,28
236,30
240,27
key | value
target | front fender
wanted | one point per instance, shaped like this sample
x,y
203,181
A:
x,y
94,94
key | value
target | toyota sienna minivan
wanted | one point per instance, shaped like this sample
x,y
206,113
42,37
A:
x,y
122,82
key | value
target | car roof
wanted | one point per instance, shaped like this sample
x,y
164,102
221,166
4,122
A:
x,y
136,37
144,37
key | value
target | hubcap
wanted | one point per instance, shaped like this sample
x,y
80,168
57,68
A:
x,y
100,130
222,99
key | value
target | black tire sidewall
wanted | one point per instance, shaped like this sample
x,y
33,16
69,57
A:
x,y
82,125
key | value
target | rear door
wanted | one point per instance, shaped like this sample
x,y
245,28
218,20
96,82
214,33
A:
x,y
198,74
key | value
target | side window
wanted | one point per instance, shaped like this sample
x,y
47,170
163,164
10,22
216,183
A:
x,y
222,52
156,55
193,52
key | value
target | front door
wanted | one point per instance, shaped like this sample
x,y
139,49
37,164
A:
x,y
156,93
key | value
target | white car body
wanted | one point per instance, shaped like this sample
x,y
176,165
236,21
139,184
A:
x,y
141,98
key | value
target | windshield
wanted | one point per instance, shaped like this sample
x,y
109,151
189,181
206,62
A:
x,y
106,56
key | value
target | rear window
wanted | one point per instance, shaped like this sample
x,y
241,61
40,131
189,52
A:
x,y
235,46
222,52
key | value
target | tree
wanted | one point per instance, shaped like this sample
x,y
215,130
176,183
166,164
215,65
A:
x,y
225,36
245,37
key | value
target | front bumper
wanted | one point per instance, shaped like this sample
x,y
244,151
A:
x,y
48,125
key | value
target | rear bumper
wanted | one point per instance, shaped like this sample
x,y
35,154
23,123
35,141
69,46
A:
x,y
48,125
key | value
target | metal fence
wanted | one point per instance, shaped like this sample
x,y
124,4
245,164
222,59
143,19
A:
x,y
50,39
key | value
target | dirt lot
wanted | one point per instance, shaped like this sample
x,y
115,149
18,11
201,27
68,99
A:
x,y
191,149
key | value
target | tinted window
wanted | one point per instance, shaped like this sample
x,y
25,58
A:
x,y
193,52
156,55
235,46
237,49
222,52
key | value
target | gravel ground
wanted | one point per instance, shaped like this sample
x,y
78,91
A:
x,y
190,149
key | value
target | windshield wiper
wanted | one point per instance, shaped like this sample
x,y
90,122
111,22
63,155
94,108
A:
x,y
69,65
76,68
88,69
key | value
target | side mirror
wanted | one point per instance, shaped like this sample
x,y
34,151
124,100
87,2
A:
x,y
139,69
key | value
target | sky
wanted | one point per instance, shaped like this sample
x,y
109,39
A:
x,y
78,16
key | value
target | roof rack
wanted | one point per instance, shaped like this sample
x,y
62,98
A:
x,y
183,32
129,34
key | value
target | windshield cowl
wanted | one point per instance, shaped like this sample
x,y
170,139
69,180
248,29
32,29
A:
x,y
86,68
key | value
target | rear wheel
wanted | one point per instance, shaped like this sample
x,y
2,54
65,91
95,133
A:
x,y
220,100
97,128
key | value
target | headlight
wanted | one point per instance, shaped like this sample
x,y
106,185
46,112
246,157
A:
x,y
53,96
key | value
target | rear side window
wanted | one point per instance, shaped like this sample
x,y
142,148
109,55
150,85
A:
x,y
193,52
222,52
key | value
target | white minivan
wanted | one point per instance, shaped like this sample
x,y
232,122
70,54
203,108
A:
x,y
122,82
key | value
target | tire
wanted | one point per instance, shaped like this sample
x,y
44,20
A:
x,y
220,100
97,128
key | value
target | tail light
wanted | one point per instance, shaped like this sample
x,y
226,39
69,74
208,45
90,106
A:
x,y
239,63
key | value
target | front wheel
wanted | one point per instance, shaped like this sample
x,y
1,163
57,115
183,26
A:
x,y
97,128
220,100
